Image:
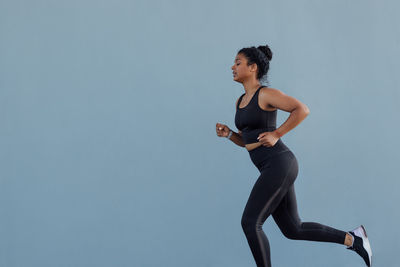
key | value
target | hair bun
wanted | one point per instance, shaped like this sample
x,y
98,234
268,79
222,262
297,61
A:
x,y
266,50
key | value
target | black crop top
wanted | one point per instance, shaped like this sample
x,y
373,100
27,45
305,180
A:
x,y
253,120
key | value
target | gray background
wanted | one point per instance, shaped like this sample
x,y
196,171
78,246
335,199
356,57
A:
x,y
109,155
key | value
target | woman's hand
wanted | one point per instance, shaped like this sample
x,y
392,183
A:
x,y
268,138
222,130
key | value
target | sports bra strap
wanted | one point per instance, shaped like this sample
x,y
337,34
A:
x,y
239,101
240,98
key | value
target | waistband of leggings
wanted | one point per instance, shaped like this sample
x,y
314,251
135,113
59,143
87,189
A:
x,y
261,159
279,146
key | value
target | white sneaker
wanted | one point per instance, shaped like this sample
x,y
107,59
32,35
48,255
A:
x,y
361,244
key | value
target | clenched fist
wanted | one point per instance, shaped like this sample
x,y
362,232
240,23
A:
x,y
222,130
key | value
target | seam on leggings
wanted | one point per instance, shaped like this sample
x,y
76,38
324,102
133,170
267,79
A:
x,y
266,206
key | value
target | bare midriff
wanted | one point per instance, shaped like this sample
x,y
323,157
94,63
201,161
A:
x,y
252,146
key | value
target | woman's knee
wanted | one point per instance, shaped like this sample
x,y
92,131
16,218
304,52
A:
x,y
291,234
248,223
292,231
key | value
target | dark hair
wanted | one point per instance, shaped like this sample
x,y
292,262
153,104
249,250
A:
x,y
260,55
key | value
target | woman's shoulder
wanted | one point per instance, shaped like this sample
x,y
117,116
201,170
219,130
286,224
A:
x,y
266,97
269,90
272,97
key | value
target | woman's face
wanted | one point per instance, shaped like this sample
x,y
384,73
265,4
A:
x,y
241,71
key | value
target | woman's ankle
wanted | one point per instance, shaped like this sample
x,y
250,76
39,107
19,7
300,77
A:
x,y
349,240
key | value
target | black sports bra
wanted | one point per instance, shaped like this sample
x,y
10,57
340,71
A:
x,y
252,120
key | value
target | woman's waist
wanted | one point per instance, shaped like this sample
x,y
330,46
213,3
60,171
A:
x,y
256,148
252,146
262,154
250,136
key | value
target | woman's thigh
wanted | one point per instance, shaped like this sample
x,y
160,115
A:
x,y
286,215
276,176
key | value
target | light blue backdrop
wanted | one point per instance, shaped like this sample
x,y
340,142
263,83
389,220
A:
x,y
109,155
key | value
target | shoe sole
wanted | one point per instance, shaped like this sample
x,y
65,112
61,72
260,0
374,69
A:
x,y
367,245
365,232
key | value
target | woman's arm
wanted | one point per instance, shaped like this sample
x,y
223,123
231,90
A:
x,y
237,138
276,98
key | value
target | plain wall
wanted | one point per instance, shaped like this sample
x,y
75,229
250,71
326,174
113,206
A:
x,y
109,155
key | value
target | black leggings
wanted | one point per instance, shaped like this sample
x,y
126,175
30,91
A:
x,y
273,193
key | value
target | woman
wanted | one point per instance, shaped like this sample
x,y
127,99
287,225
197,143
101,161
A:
x,y
273,192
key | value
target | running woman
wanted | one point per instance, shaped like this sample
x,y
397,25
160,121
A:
x,y
273,193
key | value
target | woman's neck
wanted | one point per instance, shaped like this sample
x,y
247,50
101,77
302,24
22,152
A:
x,y
251,86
